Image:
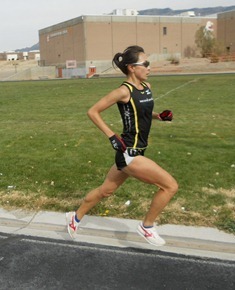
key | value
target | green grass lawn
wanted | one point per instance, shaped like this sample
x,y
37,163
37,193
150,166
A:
x,y
52,154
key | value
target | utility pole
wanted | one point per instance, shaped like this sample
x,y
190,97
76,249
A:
x,y
15,65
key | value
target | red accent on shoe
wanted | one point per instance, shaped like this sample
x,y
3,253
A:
x,y
72,225
146,233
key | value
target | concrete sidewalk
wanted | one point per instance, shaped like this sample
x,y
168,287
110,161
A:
x,y
194,241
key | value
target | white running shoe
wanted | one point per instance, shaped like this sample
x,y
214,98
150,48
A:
x,y
72,225
150,235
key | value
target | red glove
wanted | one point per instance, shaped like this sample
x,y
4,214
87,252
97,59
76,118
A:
x,y
117,143
166,115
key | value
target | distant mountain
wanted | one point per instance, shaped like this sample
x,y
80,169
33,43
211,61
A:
x,y
34,47
198,11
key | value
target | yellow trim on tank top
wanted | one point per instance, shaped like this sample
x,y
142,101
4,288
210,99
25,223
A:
x,y
136,123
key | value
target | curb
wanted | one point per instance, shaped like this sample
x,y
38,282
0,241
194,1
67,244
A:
x,y
190,241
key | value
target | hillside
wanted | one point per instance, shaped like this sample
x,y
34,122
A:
x,y
33,47
198,11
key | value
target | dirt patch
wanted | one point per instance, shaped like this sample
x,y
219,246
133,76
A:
x,y
184,66
193,65
229,193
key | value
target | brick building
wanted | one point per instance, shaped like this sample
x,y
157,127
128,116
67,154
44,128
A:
x,y
91,41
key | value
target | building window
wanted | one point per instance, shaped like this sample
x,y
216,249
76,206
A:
x,y
164,30
164,50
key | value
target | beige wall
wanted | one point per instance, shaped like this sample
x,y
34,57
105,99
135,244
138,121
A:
x,y
226,30
62,42
93,40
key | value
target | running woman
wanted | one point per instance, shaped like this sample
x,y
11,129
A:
x,y
135,102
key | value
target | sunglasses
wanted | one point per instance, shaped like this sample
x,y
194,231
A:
x,y
145,64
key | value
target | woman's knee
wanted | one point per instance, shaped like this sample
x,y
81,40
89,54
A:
x,y
106,191
174,187
98,194
171,187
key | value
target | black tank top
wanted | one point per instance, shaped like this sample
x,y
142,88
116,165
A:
x,y
136,116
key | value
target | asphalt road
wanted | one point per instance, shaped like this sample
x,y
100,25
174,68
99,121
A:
x,y
39,263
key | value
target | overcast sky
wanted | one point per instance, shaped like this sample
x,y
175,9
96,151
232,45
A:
x,y
21,19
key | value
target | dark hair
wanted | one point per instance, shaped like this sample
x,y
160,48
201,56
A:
x,y
130,55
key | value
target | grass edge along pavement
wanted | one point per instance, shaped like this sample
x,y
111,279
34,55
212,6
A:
x,y
52,155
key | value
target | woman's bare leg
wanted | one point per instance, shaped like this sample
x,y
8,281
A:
x,y
113,180
148,171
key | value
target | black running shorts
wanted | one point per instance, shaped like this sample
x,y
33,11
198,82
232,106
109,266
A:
x,y
122,159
